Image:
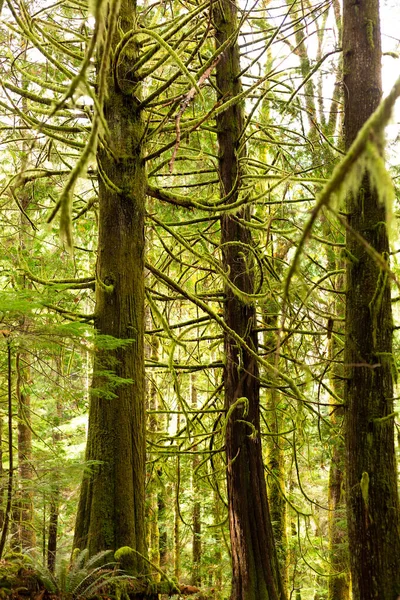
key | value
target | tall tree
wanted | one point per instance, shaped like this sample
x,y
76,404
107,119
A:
x,y
373,510
111,509
255,568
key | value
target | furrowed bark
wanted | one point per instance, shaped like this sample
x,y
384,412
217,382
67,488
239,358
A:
x,y
372,498
255,570
111,510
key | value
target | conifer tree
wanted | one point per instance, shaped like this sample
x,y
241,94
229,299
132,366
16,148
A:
x,y
372,497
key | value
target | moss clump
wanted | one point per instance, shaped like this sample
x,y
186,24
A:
x,y
126,557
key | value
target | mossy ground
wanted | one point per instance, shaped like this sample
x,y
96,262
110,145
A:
x,y
18,582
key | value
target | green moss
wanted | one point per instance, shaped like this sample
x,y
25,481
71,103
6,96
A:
x,y
370,32
347,255
126,557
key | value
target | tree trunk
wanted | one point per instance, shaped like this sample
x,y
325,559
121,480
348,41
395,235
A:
x,y
196,515
53,530
373,512
275,453
255,571
24,504
177,517
153,534
55,490
218,544
338,586
162,527
26,532
111,509
2,478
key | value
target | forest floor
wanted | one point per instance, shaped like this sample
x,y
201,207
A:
x,y
25,583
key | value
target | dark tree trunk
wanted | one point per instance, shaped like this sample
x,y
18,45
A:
x,y
255,571
55,492
53,531
111,510
162,528
373,511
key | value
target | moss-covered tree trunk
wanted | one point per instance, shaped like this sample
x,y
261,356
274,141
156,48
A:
x,y
196,509
177,516
255,571
372,499
153,534
2,480
55,485
111,510
275,444
26,537
338,585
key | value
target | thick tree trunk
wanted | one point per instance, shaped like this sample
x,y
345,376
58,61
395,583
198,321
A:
x,y
111,510
373,511
255,571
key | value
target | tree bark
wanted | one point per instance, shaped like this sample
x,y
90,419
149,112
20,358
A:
x,y
2,481
111,509
153,533
372,499
177,517
196,514
255,570
26,532
338,586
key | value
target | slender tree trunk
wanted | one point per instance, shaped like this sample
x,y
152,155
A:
x,y
153,534
217,575
276,482
338,587
53,530
10,478
26,532
162,528
55,492
24,504
111,509
275,453
177,518
255,570
196,515
2,480
372,498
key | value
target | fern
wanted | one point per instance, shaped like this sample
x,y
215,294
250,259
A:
x,y
80,578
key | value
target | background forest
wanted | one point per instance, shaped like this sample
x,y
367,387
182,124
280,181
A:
x,y
196,357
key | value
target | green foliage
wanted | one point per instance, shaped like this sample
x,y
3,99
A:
x,y
81,578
